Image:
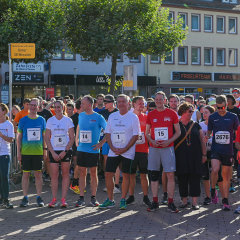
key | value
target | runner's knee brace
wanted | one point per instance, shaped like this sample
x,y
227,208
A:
x,y
154,175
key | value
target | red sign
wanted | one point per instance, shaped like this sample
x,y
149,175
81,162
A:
x,y
49,93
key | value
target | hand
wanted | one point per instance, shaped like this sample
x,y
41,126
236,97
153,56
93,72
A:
x,y
164,144
97,146
120,151
19,158
62,154
56,157
115,150
77,142
204,159
155,143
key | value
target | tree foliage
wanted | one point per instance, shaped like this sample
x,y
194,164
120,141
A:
x,y
100,28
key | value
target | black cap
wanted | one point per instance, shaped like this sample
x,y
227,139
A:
x,y
109,98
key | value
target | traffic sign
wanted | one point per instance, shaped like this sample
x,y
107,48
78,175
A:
x,y
22,50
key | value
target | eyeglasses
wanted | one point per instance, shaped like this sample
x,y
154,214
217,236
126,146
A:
x,y
223,108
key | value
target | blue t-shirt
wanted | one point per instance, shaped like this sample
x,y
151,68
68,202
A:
x,y
97,110
89,131
223,132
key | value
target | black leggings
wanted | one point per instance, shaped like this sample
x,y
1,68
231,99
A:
x,y
189,185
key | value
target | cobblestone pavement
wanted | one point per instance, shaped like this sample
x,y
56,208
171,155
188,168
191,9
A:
x,y
134,223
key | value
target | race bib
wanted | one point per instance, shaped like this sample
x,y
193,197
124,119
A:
x,y
33,134
141,138
209,144
85,136
60,140
119,137
161,133
222,137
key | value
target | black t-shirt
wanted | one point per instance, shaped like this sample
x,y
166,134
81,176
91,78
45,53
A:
x,y
46,114
74,118
105,113
236,111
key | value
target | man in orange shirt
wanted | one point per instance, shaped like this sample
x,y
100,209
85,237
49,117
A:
x,y
24,112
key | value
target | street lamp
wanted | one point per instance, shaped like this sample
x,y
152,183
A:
x,y
75,82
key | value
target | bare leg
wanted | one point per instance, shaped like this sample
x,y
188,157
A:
x,y
65,178
109,184
125,184
54,167
94,180
38,182
170,184
25,183
144,183
82,180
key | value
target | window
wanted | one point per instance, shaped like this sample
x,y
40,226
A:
x,y
182,55
85,59
155,59
196,55
208,56
183,16
169,58
135,59
208,23
232,57
64,53
196,22
171,17
232,27
220,57
221,24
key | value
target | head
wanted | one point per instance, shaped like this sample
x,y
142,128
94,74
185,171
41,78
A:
x,y
100,99
236,93
15,109
66,99
34,105
59,107
3,110
151,106
160,99
26,102
109,101
230,100
221,102
173,102
186,110
138,103
78,104
207,111
87,103
70,109
71,97
123,103
189,99
200,98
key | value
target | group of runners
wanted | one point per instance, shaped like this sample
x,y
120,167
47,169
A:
x,y
162,139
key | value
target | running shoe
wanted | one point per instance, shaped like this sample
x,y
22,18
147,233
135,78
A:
x,y
7,204
123,204
207,201
172,208
63,203
232,189
183,205
40,202
116,190
195,207
215,198
75,189
146,201
24,202
107,204
53,203
94,202
153,207
80,202
46,177
237,210
226,207
130,200
164,199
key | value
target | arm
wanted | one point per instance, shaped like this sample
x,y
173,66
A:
x,y
77,136
203,145
19,146
109,141
100,144
44,146
209,133
49,145
148,136
6,138
70,143
129,145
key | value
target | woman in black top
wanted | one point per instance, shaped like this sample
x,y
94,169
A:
x,y
189,156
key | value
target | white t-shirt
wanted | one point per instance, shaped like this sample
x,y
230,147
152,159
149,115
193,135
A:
x,y
6,129
59,132
122,128
205,129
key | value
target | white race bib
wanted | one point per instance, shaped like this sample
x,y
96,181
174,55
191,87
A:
x,y
33,134
141,138
60,140
222,137
118,137
85,136
161,133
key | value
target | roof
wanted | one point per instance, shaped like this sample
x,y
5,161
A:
x,y
214,5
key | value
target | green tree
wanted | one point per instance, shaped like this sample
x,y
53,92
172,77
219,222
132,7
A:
x,y
31,21
100,28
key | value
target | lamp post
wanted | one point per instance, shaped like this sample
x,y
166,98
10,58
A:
x,y
75,83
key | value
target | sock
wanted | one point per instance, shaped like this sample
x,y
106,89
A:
x,y
212,192
117,185
75,182
155,199
170,200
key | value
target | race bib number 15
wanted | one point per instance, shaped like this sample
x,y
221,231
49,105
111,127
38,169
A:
x,y
161,133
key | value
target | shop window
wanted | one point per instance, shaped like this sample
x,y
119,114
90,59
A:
x,y
232,25
232,57
208,23
182,55
196,55
195,22
155,59
183,16
221,24
169,59
220,57
208,56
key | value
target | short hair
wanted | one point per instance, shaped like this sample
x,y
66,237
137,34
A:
x,y
135,99
78,104
5,108
210,109
17,107
124,96
200,98
89,99
35,99
221,99
66,97
202,101
190,96
174,96
161,93
230,96
150,100
70,104
26,100
101,95
71,96
184,107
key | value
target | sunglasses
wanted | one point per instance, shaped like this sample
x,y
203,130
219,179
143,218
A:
x,y
106,101
223,108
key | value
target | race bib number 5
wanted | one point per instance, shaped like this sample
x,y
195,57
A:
x,y
161,133
222,137
33,134
85,136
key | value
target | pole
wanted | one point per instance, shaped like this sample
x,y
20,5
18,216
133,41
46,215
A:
x,y
75,83
10,81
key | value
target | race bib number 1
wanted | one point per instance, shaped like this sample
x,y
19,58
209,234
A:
x,y
141,138
33,134
85,136
118,137
222,137
161,133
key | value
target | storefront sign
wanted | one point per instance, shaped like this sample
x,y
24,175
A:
x,y
5,94
26,77
22,50
226,77
49,93
191,76
102,79
28,67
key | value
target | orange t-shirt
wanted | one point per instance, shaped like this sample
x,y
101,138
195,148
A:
x,y
52,111
20,115
142,144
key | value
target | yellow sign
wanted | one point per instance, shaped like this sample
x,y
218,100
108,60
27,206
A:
x,y
127,83
199,89
22,50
